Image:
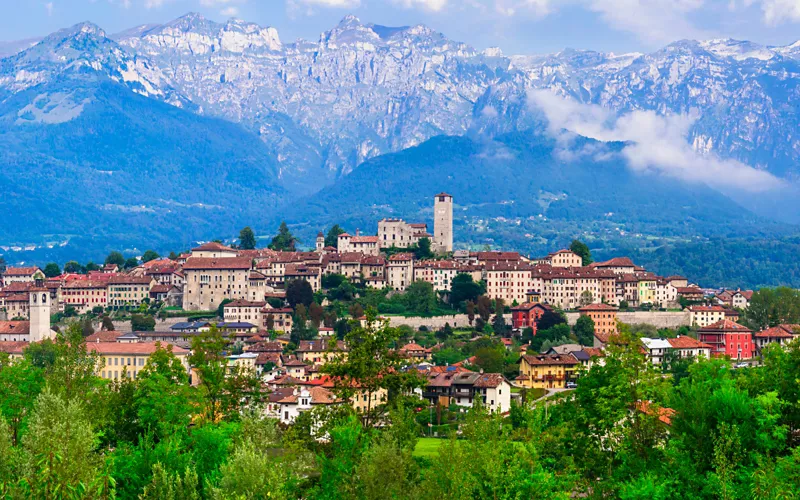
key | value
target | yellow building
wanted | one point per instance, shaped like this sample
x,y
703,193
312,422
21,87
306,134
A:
x,y
319,352
546,371
647,290
129,358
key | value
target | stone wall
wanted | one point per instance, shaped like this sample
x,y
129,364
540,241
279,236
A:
x,y
660,319
457,320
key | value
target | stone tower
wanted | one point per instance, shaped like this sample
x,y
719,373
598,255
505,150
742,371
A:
x,y
443,223
39,303
320,241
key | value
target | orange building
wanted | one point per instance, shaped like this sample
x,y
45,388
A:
x,y
604,317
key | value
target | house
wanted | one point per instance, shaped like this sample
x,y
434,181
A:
x,y
546,371
604,317
303,399
401,234
362,244
415,352
656,349
690,293
595,355
85,295
780,334
727,338
688,347
320,352
741,299
461,387
701,316
400,271
564,258
527,315
618,265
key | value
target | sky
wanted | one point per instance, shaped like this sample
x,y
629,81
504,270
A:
x,y
516,26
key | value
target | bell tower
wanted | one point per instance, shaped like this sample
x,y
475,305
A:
x,y
39,304
320,241
443,223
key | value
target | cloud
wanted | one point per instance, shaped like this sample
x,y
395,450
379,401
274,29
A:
x,y
334,4
539,8
430,5
775,11
230,11
652,21
49,8
655,143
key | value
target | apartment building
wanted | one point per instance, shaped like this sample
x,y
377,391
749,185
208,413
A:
x,y
209,281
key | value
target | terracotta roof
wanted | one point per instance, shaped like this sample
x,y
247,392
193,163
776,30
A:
x,y
550,359
401,256
664,414
103,336
594,352
784,331
15,327
413,347
319,396
318,346
20,271
268,357
531,305
686,342
615,262
706,308
688,289
212,246
597,307
246,303
161,288
747,294
725,325
17,297
294,362
364,239
130,280
490,380
266,347
486,256
198,263
18,286
77,284
13,347
137,348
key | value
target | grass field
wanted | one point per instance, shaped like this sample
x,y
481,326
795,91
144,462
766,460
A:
x,y
428,447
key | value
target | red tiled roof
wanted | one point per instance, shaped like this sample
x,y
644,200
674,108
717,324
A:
x,y
401,256
318,346
688,289
725,325
20,271
212,246
130,280
550,359
268,357
319,396
706,308
664,414
784,331
686,342
15,327
594,352
246,303
103,336
199,263
489,380
615,262
13,347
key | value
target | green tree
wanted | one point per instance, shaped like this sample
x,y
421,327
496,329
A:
x,y
131,263
107,324
299,291
115,258
60,445
164,400
490,359
247,239
73,374
284,240
73,267
464,289
20,385
172,486
142,323
584,330
420,298
52,270
332,236
423,249
580,248
149,255
221,308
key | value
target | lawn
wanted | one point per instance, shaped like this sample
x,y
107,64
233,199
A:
x,y
427,447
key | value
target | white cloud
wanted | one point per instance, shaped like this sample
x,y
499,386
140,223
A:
x,y
49,8
335,4
653,21
775,11
539,8
431,5
656,143
230,11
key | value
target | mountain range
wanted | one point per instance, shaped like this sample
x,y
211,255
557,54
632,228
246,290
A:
x,y
169,134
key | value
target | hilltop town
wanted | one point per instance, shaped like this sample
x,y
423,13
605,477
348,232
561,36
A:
x,y
364,325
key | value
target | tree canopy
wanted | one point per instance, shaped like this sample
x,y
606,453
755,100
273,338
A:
x,y
247,239
284,240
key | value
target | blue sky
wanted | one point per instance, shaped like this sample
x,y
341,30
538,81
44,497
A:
x,y
516,26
